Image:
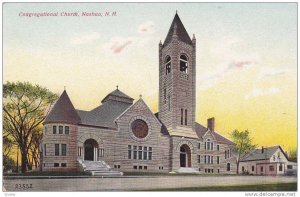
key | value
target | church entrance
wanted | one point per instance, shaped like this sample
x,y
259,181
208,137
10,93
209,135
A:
x,y
90,150
185,156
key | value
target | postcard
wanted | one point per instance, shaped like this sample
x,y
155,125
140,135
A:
x,y
149,97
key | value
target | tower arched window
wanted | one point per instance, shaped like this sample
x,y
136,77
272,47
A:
x,y
184,64
168,64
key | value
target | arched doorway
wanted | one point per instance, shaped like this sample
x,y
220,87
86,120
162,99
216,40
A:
x,y
185,156
90,150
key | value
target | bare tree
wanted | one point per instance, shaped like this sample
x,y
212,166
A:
x,y
25,107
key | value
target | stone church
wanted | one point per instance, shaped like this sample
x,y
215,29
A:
x,y
121,135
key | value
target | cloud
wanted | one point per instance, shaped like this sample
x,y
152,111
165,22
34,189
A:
x,y
146,27
212,79
267,72
84,38
257,92
118,44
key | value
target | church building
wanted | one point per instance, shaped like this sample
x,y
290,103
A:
x,y
121,135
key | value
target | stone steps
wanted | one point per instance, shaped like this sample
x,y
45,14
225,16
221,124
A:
x,y
98,168
188,170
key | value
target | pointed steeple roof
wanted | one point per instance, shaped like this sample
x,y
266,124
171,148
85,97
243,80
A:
x,y
63,111
117,95
180,32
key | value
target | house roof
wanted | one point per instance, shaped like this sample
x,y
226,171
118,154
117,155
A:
x,y
258,155
118,96
180,32
104,115
201,130
63,111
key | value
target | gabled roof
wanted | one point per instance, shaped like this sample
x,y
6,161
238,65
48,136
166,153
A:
x,y
63,111
258,155
136,103
180,32
117,95
201,131
104,115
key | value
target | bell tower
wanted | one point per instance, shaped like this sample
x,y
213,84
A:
x,y
177,81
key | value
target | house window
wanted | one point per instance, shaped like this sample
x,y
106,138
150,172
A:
x,y
199,146
145,153
63,149
181,116
208,144
289,167
271,168
101,152
205,159
261,168
79,151
134,152
150,153
243,168
280,167
140,152
218,171
56,164
129,151
212,159
183,64
252,168
54,129
198,158
145,167
212,146
228,166
66,130
44,149
135,167
185,119
165,95
140,167
168,64
56,149
218,147
273,157
63,165
169,102
60,129
208,159
218,160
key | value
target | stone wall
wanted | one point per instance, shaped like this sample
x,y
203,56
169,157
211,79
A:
x,y
50,139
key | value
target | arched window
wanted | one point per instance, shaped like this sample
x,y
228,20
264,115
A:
x,y
228,166
184,64
168,64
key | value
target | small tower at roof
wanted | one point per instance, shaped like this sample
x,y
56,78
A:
x,y
63,111
119,96
177,81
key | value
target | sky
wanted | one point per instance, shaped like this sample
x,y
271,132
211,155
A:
x,y
246,58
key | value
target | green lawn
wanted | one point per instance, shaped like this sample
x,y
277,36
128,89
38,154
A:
x,y
38,173
260,187
171,174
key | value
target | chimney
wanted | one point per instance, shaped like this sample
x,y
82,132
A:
x,y
211,124
262,149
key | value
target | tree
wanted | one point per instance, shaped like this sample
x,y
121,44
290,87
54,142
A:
x,y
34,151
25,107
243,144
292,154
8,145
8,163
